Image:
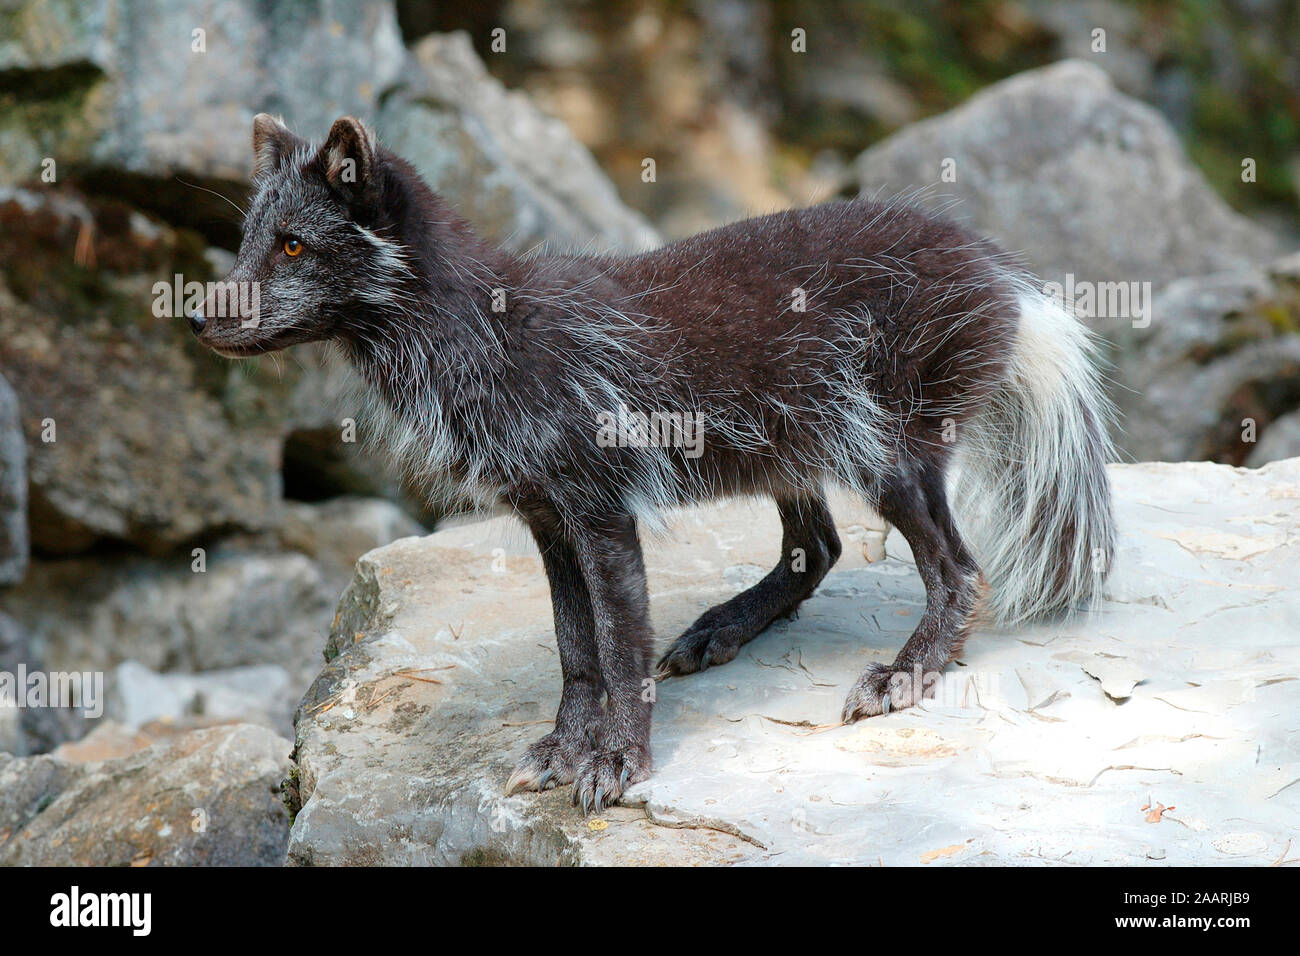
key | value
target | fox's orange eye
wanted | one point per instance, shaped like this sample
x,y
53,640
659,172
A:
x,y
292,247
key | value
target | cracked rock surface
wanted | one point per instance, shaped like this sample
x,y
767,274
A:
x,y
1160,727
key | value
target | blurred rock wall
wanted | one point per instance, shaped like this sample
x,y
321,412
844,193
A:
x,y
161,507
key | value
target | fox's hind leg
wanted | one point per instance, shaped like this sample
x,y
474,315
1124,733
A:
x,y
916,504
555,758
809,547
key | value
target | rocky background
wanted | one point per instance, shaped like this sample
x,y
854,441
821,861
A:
x,y
185,525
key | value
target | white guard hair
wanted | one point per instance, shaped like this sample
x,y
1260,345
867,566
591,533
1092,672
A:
x,y
1031,492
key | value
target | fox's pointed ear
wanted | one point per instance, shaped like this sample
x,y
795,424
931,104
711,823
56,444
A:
x,y
348,157
272,142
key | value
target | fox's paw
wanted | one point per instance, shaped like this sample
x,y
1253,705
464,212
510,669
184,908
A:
x,y
879,690
703,645
551,761
604,775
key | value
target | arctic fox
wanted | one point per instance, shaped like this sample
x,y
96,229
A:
x,y
865,343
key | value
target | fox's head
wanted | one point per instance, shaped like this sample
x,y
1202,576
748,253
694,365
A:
x,y
317,241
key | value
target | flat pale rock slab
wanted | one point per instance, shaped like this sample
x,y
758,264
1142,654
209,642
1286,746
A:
x,y
1056,743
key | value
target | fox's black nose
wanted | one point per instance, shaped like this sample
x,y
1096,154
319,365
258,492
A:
x,y
197,322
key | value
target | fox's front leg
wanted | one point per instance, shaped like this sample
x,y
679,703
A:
x,y
555,758
609,554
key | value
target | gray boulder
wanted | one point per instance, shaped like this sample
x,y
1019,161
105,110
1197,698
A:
x,y
153,87
136,94
30,729
12,651
262,694
1080,179
335,533
1217,369
1281,440
207,798
1128,60
507,167
248,608
108,740
132,433
13,488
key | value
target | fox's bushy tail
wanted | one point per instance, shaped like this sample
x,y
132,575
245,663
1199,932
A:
x,y
1032,496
